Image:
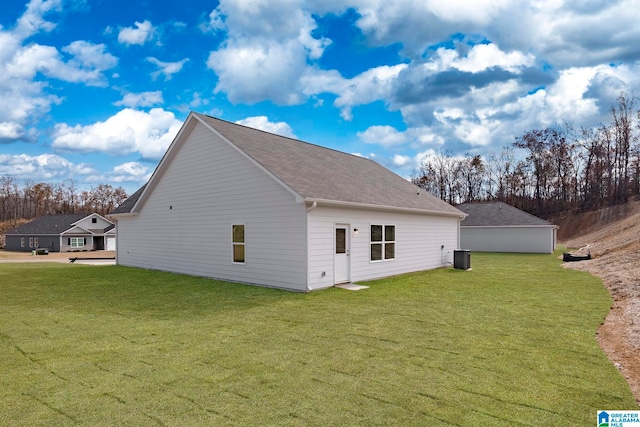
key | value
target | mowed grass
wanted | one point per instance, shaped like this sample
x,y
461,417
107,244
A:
x,y
510,343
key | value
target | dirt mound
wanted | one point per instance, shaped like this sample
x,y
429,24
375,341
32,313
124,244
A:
x,y
612,236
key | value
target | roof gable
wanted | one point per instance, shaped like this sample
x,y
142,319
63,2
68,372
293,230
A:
x,y
76,229
311,172
498,214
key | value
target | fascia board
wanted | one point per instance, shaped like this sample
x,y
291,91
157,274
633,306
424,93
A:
x,y
384,208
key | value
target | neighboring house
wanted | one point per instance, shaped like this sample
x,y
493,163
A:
x,y
499,227
63,233
240,204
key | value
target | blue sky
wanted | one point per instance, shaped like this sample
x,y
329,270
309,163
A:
x,y
95,90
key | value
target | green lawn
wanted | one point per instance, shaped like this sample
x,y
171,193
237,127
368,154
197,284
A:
x,y
510,343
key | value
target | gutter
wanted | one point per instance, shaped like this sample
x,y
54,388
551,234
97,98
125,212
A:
x,y
312,207
383,207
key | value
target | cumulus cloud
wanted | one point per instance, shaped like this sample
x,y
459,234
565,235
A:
x,y
263,123
43,167
25,66
266,51
10,131
400,160
129,172
168,69
128,131
383,135
143,32
142,99
32,20
388,136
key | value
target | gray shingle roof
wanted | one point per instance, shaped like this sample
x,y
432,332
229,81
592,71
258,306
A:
x,y
48,224
487,214
128,204
321,174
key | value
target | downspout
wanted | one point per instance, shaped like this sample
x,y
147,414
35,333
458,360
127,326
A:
x,y
309,209
312,207
115,222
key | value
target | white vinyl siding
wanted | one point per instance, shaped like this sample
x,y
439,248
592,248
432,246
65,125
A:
x,y
418,241
508,239
88,224
184,226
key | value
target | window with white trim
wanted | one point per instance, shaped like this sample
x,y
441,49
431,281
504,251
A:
x,y
238,243
76,242
35,242
30,242
22,242
383,242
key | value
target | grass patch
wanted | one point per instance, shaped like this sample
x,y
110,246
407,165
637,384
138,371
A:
x,y
511,342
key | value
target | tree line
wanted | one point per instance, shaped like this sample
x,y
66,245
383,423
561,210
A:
x,y
565,169
34,199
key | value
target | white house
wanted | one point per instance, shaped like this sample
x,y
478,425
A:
x,y
499,227
235,203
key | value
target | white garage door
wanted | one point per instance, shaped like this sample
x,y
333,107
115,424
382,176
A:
x,y
111,243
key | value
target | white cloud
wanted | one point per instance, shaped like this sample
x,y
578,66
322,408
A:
x,y
87,64
129,172
10,131
386,136
142,33
32,20
24,68
256,72
484,56
43,167
128,131
372,85
475,11
266,51
168,69
399,160
142,99
263,123
474,133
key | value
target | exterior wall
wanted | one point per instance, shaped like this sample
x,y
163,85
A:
x,y
89,245
86,223
185,224
508,239
52,243
417,247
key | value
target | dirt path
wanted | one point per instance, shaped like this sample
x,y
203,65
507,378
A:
x,y
616,251
9,256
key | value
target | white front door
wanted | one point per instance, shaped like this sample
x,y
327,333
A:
x,y
341,264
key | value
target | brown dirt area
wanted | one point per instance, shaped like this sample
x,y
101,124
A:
x,y
10,256
612,236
